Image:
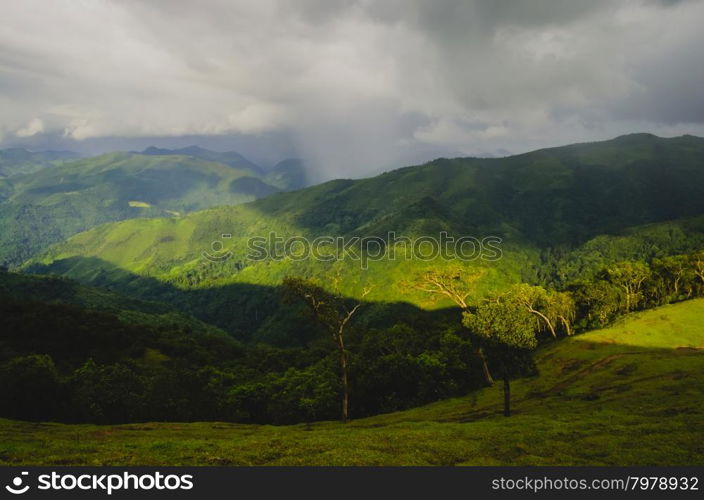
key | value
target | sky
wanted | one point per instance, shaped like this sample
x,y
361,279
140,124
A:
x,y
352,86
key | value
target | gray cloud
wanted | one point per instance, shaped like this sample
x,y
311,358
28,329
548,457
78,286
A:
x,y
352,85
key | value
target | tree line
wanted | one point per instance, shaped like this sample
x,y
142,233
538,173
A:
x,y
509,325
67,363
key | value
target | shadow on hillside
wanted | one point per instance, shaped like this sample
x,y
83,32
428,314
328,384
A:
x,y
249,312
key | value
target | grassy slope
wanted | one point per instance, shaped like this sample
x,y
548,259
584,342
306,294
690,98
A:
x,y
52,204
630,394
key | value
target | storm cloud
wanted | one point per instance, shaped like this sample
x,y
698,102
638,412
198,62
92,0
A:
x,y
353,86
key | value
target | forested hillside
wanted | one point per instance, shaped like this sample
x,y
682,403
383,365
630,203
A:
x,y
51,204
374,331
561,214
596,397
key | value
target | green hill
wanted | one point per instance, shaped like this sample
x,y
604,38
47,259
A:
x,y
587,222
18,161
631,394
230,158
560,213
54,203
286,175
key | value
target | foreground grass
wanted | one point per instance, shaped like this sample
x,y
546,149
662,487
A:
x,y
632,394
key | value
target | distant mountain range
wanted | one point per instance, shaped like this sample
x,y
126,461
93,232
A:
x,y
230,158
46,197
18,161
562,213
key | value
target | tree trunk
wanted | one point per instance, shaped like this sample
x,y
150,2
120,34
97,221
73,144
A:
x,y
568,327
345,383
345,394
548,323
485,367
507,397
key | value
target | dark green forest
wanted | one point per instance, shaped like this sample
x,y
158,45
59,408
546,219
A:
x,y
66,362
127,322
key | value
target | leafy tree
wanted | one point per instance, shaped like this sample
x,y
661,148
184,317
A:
x,y
597,302
564,307
630,277
404,366
697,262
510,331
676,275
305,395
548,307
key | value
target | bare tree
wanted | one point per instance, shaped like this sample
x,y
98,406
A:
x,y
457,284
334,312
454,283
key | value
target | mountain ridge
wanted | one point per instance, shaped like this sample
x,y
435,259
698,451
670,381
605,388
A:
x,y
20,161
50,204
545,207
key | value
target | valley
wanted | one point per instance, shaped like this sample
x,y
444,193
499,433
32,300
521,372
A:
x,y
589,317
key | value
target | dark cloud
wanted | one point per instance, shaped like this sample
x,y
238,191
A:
x,y
353,85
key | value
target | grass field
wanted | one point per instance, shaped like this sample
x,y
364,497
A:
x,y
632,394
